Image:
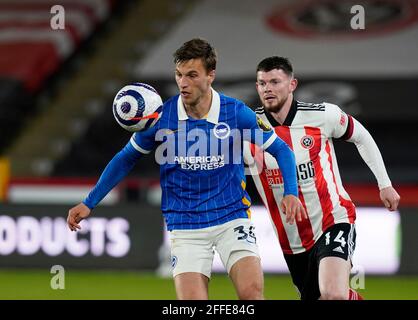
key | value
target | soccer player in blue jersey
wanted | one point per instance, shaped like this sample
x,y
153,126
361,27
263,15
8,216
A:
x,y
198,143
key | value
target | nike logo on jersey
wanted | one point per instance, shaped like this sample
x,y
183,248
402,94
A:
x,y
169,131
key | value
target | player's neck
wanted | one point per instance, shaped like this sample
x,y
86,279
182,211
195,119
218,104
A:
x,y
201,108
281,114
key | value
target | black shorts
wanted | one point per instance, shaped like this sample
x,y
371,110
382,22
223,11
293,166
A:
x,y
337,241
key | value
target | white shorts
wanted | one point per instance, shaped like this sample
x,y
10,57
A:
x,y
193,250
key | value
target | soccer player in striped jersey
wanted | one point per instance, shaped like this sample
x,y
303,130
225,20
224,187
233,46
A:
x,y
318,249
198,142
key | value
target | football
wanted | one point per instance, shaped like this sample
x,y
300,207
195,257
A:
x,y
137,107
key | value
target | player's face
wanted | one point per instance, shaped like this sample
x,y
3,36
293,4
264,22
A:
x,y
193,81
274,88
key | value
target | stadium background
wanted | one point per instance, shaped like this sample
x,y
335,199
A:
x,y
57,131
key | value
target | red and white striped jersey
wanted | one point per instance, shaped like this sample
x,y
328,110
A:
x,y
308,130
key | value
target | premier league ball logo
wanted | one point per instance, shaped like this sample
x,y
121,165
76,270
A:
x,y
137,107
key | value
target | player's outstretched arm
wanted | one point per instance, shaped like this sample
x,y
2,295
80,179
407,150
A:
x,y
76,214
370,153
290,203
285,157
345,127
114,172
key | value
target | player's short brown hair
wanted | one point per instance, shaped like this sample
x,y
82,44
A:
x,y
197,48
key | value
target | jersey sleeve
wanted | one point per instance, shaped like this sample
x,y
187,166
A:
x,y
253,128
144,141
370,153
337,122
114,172
286,160
122,163
256,131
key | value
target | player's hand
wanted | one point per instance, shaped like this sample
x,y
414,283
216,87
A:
x,y
293,208
76,214
390,198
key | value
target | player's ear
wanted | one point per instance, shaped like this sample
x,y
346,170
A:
x,y
293,84
212,75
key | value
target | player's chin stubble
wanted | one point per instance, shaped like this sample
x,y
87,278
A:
x,y
276,107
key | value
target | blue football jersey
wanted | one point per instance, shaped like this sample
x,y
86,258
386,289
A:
x,y
201,164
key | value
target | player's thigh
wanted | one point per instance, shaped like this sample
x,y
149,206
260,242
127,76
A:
x,y
333,278
191,251
191,286
235,241
335,250
247,277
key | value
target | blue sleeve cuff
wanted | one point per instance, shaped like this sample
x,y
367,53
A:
x,y
88,204
287,164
